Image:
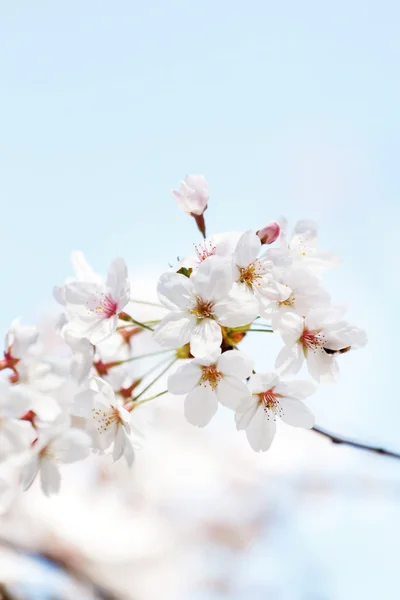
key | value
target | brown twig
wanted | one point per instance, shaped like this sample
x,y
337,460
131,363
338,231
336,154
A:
x,y
337,439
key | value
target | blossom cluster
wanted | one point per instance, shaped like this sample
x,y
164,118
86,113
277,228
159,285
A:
x,y
58,408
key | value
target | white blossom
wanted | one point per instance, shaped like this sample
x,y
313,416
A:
x,y
207,381
199,305
317,338
93,308
268,398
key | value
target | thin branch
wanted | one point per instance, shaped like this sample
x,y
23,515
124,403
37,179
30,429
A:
x,y
337,439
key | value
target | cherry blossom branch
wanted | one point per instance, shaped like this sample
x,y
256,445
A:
x,y
150,398
337,439
148,355
147,303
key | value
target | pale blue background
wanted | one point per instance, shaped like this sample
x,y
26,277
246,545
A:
x,y
287,108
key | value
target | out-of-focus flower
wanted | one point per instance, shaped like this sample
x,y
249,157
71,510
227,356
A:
x,y
54,445
93,308
209,381
268,398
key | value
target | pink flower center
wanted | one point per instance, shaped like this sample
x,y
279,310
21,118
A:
x,y
312,340
270,402
103,305
210,375
204,250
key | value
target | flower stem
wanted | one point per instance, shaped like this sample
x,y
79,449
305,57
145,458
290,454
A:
x,y
148,303
156,379
125,317
151,398
263,330
127,360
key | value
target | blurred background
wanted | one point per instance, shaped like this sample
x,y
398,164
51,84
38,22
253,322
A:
x,y
287,108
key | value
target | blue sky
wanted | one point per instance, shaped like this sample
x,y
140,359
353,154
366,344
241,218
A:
x,y
287,108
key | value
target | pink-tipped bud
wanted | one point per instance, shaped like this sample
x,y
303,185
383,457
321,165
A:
x,y
269,233
192,195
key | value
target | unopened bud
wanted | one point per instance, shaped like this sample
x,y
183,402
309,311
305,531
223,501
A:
x,y
269,233
192,195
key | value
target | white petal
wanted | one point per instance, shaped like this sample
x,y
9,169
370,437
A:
x,y
322,367
185,378
206,338
291,327
29,472
117,280
245,411
247,249
261,382
231,391
290,360
119,443
103,329
50,477
213,279
72,446
261,430
175,290
235,363
83,270
200,406
238,309
296,389
295,413
175,329
78,292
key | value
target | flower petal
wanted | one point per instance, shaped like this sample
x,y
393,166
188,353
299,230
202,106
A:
x,y
175,329
231,391
296,389
201,404
206,338
235,363
247,249
296,413
245,411
213,279
29,472
185,378
261,430
238,309
289,360
175,290
50,477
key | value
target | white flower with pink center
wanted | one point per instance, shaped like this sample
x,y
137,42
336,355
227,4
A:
x,y
317,338
301,247
209,381
199,305
109,422
268,398
297,290
93,308
253,272
220,244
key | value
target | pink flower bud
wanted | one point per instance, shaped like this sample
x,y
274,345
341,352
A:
x,y
269,233
192,195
